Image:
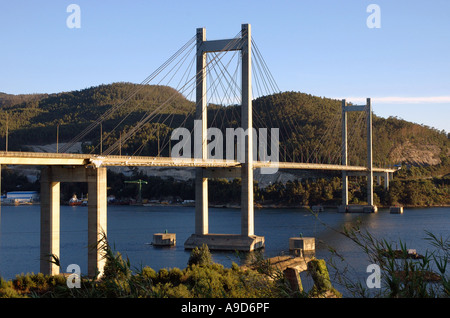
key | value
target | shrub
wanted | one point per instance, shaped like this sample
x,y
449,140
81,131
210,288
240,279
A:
x,y
200,256
322,284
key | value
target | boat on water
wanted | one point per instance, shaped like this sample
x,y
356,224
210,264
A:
x,y
74,201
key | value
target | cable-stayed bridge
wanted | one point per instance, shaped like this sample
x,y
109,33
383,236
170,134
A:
x,y
201,71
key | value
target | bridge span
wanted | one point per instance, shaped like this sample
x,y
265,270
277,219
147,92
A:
x,y
94,160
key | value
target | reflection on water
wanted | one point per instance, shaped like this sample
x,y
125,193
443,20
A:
x,y
131,228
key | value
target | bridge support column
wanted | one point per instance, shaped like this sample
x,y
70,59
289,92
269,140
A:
x,y
369,153
50,234
247,206
200,144
386,180
201,203
344,188
50,215
97,215
344,155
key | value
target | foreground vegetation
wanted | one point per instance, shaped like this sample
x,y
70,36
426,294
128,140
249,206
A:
x,y
200,279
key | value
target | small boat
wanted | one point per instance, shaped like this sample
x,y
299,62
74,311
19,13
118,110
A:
x,y
74,201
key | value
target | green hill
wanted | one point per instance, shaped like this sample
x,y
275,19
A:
x,y
309,125
33,119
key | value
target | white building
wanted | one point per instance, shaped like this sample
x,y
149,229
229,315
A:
x,y
21,197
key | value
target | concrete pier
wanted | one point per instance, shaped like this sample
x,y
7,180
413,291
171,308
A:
x,y
355,208
164,239
396,210
302,246
51,177
225,242
50,231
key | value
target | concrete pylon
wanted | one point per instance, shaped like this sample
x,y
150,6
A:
x,y
368,109
201,183
344,155
386,180
369,152
97,219
50,225
51,177
246,241
247,208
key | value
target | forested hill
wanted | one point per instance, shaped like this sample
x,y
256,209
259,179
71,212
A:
x,y
33,118
317,125
309,125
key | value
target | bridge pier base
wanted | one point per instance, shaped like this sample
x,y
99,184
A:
x,y
225,242
51,177
355,208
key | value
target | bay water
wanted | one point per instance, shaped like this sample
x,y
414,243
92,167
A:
x,y
131,228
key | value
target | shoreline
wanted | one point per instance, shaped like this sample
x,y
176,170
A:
x,y
257,205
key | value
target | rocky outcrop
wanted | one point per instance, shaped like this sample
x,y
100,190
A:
x,y
416,154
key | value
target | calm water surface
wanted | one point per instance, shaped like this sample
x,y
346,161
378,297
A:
x,y
131,228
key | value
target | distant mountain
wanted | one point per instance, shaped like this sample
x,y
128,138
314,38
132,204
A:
x,y
8,100
309,125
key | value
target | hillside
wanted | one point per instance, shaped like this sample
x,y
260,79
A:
x,y
7,100
33,118
303,120
394,140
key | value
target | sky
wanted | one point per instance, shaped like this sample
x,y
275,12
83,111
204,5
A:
x,y
398,54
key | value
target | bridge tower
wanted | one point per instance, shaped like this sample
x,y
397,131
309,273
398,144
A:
x,y
247,240
370,174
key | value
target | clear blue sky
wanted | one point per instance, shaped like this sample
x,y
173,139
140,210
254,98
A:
x,y
321,47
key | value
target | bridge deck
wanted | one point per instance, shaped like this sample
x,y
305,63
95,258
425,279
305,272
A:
x,y
63,159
